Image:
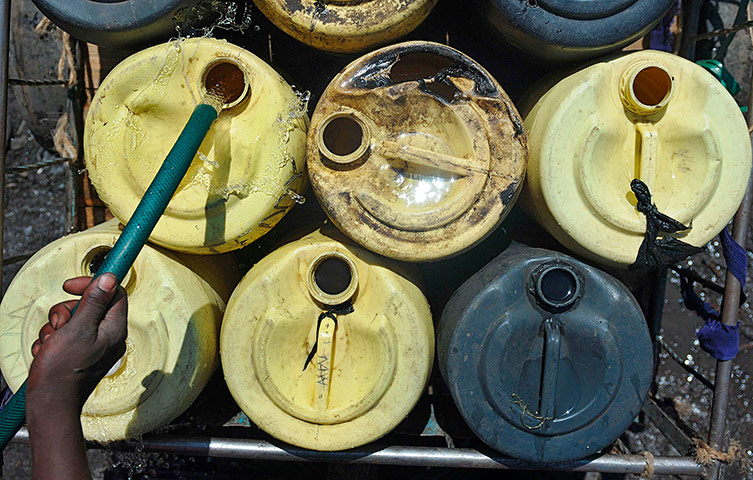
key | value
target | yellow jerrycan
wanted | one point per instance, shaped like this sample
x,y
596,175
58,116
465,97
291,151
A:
x,y
647,115
175,305
249,169
325,345
346,26
416,152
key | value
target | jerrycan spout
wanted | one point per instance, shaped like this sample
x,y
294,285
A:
x,y
646,88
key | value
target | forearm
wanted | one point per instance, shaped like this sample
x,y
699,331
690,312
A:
x,y
58,450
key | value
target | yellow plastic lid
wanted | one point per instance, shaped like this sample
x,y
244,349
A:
x,y
369,366
648,115
346,25
175,304
416,152
249,169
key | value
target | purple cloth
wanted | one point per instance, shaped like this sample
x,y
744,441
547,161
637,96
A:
x,y
661,37
694,303
719,340
735,256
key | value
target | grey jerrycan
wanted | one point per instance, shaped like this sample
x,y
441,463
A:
x,y
547,358
572,30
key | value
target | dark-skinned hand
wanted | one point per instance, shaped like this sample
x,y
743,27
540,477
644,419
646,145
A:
x,y
72,354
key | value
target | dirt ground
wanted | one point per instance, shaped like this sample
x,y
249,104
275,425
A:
x,y
36,210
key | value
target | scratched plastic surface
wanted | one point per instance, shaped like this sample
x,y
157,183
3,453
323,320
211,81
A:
x,y
346,26
647,115
170,352
369,367
416,152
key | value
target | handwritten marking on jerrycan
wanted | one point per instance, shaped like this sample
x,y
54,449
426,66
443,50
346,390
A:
x,y
547,359
326,345
648,115
416,152
249,170
346,26
175,304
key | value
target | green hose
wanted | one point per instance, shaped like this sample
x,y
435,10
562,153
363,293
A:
x,y
134,236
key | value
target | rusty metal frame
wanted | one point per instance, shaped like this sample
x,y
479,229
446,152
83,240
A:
x,y
249,448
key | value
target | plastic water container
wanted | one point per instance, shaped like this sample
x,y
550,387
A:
x,y
249,170
416,152
547,359
346,26
175,305
124,23
648,115
572,30
308,370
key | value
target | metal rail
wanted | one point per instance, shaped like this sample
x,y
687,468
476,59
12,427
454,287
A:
x,y
406,456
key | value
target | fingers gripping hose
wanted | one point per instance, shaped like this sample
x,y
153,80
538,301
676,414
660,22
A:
x,y
135,233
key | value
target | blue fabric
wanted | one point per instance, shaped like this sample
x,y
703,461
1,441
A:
x,y
735,256
694,303
719,340
661,37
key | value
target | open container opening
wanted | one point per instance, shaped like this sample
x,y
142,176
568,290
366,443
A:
x,y
225,80
332,278
343,138
646,89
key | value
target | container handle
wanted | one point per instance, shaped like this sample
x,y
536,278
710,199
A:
x,y
552,344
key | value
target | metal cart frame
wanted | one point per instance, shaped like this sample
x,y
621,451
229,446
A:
x,y
430,456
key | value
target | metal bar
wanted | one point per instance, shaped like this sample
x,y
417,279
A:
x,y
4,50
36,83
730,307
74,180
688,368
725,31
393,455
655,309
667,426
691,20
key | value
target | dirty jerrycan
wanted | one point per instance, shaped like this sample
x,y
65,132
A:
x,y
416,152
175,305
547,359
249,169
648,115
325,345
572,30
346,26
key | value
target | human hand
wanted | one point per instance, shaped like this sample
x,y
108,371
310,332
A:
x,y
73,353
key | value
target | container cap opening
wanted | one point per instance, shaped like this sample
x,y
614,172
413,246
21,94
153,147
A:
x,y
558,287
225,80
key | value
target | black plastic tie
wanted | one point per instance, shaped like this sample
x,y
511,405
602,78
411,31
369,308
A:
x,y
654,252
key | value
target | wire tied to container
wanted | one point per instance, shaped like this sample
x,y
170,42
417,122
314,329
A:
x,y
342,309
527,411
